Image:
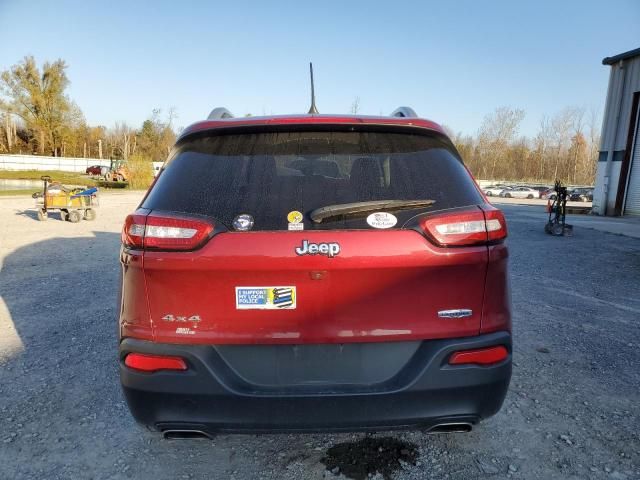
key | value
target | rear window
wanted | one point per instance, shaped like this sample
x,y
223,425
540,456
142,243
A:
x,y
269,174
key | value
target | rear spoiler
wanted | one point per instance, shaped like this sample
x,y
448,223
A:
x,y
220,113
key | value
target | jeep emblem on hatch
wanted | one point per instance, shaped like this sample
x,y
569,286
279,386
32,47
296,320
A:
x,y
328,249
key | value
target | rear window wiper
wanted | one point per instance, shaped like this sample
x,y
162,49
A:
x,y
338,210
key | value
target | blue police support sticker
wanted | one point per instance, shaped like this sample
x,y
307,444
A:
x,y
265,298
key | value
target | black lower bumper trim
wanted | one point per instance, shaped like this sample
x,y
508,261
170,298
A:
x,y
425,393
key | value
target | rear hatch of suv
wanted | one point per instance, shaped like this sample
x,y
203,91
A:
x,y
263,261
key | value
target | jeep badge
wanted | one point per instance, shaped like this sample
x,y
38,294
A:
x,y
328,249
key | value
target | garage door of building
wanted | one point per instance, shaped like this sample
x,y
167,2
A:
x,y
632,201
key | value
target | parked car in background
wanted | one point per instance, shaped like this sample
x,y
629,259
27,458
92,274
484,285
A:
x,y
520,192
540,188
548,194
495,190
314,272
581,195
96,170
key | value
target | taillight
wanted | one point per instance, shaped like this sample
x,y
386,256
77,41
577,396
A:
x,y
496,224
165,232
459,228
133,230
175,233
482,356
153,363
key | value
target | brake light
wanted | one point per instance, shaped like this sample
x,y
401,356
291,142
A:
x,y
483,356
459,228
165,232
133,230
496,224
153,363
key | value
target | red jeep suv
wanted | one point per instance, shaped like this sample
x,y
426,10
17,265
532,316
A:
x,y
314,273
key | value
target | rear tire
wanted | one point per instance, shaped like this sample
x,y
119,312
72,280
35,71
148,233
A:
x,y
42,215
530,196
74,216
489,194
89,214
557,229
507,195
64,215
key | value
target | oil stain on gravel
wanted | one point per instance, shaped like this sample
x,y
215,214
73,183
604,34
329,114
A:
x,y
370,455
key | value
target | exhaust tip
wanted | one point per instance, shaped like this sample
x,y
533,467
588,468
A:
x,y
174,434
461,427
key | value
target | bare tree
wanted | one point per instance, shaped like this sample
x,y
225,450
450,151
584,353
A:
x,y
355,106
497,132
565,125
120,140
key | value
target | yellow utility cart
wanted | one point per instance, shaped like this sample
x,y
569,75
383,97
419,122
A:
x,y
74,204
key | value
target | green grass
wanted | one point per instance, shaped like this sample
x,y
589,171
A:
x,y
21,192
56,176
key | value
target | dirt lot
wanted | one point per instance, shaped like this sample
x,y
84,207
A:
x,y
572,410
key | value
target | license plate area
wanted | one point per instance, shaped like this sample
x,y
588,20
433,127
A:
x,y
291,366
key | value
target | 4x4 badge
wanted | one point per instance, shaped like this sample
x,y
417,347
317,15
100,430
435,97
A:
x,y
178,318
328,249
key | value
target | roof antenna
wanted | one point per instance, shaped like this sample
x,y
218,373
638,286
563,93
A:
x,y
313,108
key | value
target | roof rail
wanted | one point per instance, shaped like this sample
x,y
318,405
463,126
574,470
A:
x,y
404,112
219,113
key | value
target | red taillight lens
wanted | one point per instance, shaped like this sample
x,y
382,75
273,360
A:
x,y
496,224
165,232
175,233
133,230
483,356
153,363
465,227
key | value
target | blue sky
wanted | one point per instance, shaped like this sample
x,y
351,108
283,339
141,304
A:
x,y
453,62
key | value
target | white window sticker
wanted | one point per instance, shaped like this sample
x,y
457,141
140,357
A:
x,y
382,220
265,298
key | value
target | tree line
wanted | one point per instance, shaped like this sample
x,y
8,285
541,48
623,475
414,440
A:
x,y
565,147
38,117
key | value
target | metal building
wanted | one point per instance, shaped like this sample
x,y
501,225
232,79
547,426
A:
x,y
617,189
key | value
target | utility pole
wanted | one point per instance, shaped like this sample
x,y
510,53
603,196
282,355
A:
x,y
100,148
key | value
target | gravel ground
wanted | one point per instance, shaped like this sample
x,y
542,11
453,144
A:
x,y
572,410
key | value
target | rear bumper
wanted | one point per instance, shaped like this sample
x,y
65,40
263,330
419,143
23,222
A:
x,y
214,397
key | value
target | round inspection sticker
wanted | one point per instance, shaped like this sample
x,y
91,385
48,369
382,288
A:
x,y
294,217
382,220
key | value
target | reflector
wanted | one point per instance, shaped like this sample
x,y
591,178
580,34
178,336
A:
x,y
153,363
484,356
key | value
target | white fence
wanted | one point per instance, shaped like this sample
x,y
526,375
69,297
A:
x,y
37,162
